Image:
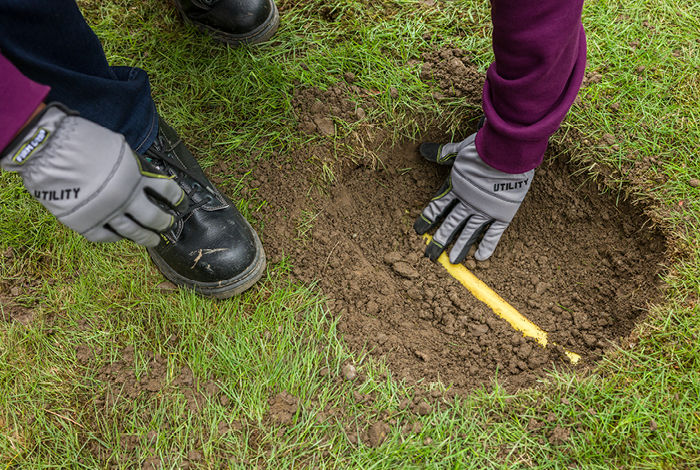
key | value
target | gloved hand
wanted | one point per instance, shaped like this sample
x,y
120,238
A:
x,y
474,199
90,179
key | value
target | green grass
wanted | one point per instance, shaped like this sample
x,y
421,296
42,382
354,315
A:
x,y
639,409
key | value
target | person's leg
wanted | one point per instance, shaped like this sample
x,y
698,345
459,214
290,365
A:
x,y
50,42
212,248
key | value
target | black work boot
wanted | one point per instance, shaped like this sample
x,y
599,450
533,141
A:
x,y
211,248
235,22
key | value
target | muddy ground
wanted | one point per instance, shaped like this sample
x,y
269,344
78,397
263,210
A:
x,y
576,264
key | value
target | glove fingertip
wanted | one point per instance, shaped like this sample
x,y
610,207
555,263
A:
x,y
458,257
483,255
150,242
422,225
170,225
430,151
434,250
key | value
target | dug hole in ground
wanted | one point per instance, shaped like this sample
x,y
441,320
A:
x,y
582,266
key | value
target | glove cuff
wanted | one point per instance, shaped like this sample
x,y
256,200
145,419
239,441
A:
x,y
34,135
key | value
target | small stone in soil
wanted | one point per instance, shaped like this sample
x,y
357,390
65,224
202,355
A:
x,y
166,286
325,125
349,372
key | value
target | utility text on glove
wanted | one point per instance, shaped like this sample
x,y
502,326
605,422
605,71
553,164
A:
x,y
57,195
510,185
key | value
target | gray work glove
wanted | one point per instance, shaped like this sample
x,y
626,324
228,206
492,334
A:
x,y
90,179
474,199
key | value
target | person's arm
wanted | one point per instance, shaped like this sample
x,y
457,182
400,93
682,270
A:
x,y
84,174
540,51
21,100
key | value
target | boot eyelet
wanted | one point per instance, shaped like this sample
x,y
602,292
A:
x,y
208,199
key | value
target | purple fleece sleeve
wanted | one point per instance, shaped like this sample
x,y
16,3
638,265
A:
x,y
19,97
540,50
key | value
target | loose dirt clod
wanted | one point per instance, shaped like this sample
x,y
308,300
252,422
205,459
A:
x,y
377,433
405,270
424,409
558,436
283,407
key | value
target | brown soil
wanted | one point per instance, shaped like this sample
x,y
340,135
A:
x,y
283,407
577,265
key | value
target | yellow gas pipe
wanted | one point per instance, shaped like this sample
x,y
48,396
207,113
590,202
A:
x,y
502,308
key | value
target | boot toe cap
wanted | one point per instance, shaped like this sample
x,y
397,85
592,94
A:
x,y
216,251
233,17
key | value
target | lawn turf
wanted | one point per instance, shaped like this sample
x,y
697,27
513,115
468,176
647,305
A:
x,y
635,129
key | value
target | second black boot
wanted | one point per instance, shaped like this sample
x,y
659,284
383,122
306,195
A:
x,y
235,22
211,248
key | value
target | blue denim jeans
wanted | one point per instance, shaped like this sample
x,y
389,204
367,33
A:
x,y
50,42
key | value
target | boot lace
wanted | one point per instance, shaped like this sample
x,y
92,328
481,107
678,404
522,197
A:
x,y
163,160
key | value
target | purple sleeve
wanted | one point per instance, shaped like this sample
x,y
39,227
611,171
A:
x,y
540,50
19,97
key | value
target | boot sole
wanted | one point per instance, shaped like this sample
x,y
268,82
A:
x,y
259,35
220,289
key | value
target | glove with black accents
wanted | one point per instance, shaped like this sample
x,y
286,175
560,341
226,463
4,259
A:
x,y
90,179
474,199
